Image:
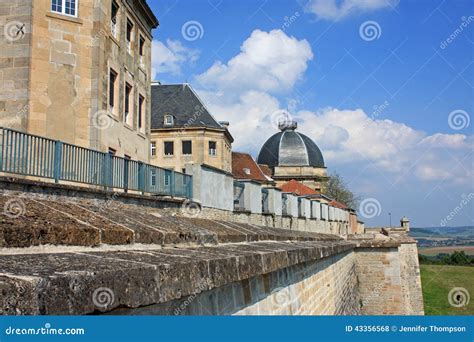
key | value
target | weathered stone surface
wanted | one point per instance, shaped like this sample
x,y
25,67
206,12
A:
x,y
65,283
82,222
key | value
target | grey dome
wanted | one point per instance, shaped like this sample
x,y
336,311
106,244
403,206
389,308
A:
x,y
290,148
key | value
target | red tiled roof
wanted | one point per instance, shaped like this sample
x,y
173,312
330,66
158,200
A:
x,y
337,204
266,170
242,162
298,188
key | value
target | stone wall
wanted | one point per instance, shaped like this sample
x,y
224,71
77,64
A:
x,y
15,37
324,287
389,279
276,221
255,267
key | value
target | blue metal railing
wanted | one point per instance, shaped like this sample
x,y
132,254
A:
x,y
31,155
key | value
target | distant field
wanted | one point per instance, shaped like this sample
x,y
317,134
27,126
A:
x,y
450,249
437,282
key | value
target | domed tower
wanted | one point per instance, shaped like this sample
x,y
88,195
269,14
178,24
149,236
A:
x,y
292,155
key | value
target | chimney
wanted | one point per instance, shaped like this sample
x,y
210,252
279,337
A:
x,y
224,124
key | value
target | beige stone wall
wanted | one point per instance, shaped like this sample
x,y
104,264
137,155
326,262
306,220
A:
x,y
200,149
313,177
327,287
324,287
389,280
125,137
410,278
57,77
293,223
15,37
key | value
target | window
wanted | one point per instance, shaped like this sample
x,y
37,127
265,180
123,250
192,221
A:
x,y
246,170
153,148
169,120
113,20
129,36
141,103
141,49
112,85
169,148
66,7
153,177
128,100
187,147
212,148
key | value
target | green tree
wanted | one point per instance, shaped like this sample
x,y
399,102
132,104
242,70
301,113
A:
x,y
337,189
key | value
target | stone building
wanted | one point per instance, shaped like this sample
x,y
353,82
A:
x,y
183,131
292,155
78,71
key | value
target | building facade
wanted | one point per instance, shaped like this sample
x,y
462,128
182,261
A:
x,y
294,156
183,131
79,71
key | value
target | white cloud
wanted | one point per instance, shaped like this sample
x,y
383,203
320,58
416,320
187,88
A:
x,y
243,91
170,56
351,137
336,10
249,116
268,61
452,141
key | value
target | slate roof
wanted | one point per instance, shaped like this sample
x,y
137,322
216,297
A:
x,y
181,101
290,148
298,188
242,161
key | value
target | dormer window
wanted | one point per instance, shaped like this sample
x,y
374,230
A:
x,y
169,120
247,171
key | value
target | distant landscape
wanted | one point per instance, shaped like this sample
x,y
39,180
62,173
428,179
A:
x,y
442,237
446,262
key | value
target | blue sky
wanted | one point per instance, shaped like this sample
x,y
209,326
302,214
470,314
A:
x,y
389,105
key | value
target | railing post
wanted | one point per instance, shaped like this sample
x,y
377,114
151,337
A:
x,y
190,187
141,177
172,183
1,149
58,151
106,170
125,174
